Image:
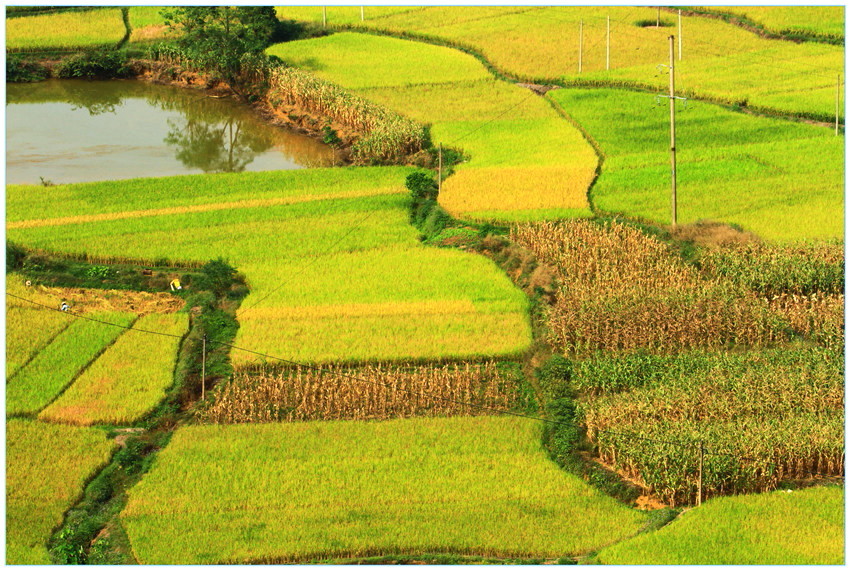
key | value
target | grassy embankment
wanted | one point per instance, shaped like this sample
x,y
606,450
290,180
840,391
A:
x,y
359,489
720,61
525,162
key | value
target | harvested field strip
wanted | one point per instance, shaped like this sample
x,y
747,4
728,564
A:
x,y
364,393
193,209
46,467
296,491
800,527
127,381
56,366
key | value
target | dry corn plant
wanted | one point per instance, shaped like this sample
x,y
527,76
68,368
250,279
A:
x,y
622,290
333,392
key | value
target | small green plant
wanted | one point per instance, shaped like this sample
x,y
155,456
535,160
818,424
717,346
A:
x,y
19,70
98,272
330,136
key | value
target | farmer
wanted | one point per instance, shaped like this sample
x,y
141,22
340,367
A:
x,y
175,284
64,306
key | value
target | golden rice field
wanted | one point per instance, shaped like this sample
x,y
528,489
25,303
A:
x,y
46,467
719,60
310,264
65,30
783,527
820,20
294,492
525,161
128,380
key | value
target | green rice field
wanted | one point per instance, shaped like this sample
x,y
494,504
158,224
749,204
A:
x,y
58,364
719,60
783,527
46,467
293,492
525,161
781,180
128,380
65,31
314,245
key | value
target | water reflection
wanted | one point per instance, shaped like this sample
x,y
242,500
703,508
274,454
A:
x,y
73,131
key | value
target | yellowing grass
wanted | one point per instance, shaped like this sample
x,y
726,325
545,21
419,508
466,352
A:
x,y
66,30
128,380
295,492
27,332
46,467
821,20
782,527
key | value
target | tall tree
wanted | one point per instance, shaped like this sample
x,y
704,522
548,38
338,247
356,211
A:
x,y
217,37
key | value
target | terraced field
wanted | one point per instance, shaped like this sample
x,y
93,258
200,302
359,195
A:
x,y
319,249
792,173
719,60
65,31
525,162
782,527
46,467
333,489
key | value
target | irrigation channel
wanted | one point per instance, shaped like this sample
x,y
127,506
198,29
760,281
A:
x,y
67,131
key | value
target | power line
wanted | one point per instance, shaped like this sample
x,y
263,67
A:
x,y
410,391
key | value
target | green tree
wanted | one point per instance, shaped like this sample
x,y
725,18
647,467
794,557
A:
x,y
218,37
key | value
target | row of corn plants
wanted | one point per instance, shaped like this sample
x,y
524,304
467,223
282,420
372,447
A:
x,y
332,392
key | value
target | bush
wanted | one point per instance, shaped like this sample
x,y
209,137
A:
x,y
217,276
554,376
19,70
100,64
422,186
15,256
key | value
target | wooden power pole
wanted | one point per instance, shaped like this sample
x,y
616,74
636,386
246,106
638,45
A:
x,y
204,367
580,42
608,44
673,132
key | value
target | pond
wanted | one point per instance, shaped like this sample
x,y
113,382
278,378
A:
x,y
65,131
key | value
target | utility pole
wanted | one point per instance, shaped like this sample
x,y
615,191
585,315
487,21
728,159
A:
x,y
362,15
324,16
580,42
440,171
203,367
658,18
837,102
608,45
699,483
673,132
680,35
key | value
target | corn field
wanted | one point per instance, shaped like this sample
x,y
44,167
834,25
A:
x,y
771,270
763,416
622,290
334,392
818,317
386,135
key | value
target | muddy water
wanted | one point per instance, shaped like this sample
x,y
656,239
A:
x,y
67,131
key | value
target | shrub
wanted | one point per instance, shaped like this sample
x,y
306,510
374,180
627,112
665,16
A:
x,y
19,70
421,185
101,64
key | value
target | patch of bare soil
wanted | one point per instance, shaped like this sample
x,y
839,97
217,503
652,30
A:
x,y
83,301
713,234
